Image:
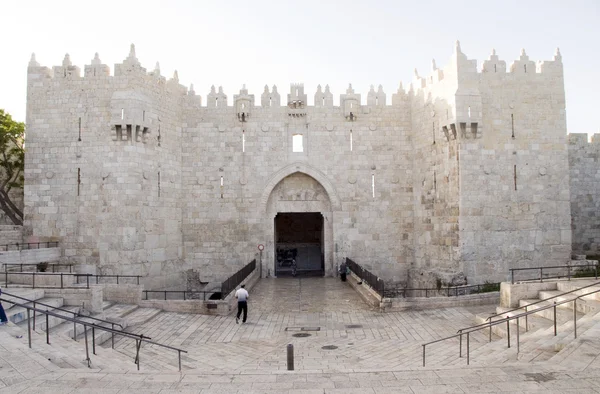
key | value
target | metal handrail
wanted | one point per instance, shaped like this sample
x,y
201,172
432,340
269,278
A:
x,y
184,292
53,265
19,246
467,331
62,274
75,314
139,338
541,269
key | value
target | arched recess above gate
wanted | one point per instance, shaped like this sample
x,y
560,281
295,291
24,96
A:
x,y
299,168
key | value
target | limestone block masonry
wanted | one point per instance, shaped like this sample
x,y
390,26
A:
x,y
584,166
461,176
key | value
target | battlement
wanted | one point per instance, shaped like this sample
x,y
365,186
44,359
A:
x,y
581,140
460,71
462,68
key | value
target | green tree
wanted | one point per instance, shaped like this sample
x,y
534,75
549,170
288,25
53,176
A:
x,y
12,161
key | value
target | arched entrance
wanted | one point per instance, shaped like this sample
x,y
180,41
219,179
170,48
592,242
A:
x,y
299,225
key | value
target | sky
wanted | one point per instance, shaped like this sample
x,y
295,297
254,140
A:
x,y
234,42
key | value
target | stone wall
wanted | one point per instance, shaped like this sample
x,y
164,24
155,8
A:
x,y
10,234
134,175
584,180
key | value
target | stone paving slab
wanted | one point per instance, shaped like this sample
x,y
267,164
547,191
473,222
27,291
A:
x,y
375,352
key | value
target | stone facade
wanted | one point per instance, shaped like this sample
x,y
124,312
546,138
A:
x,y
584,180
462,176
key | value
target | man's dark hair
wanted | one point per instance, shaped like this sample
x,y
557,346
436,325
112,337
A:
x,y
243,286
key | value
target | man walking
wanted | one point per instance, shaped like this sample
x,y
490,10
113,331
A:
x,y
242,297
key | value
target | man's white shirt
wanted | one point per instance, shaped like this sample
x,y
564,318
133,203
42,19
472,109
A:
x,y
241,295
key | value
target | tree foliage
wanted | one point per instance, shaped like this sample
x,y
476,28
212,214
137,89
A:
x,y
12,161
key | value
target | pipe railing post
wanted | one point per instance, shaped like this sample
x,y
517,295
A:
x,y
518,334
179,356
490,334
87,351
460,345
94,340
526,320
541,276
138,344
512,276
554,318
568,272
47,328
29,327
112,336
423,355
508,330
74,331
468,349
575,317
34,316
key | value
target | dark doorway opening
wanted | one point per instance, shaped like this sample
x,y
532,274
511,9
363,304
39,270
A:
x,y
299,244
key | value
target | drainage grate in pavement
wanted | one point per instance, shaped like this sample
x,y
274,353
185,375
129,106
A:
x,y
303,329
329,347
301,335
354,326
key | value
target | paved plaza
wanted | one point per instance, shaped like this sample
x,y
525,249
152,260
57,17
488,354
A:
x,y
351,349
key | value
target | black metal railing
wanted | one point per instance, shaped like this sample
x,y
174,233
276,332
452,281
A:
x,y
181,295
139,338
568,271
55,267
375,282
28,245
450,291
80,280
236,279
111,279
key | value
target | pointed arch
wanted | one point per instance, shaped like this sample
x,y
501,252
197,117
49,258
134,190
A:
x,y
305,169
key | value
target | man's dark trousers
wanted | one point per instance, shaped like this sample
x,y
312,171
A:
x,y
242,306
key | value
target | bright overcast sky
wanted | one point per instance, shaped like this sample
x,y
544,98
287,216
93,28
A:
x,y
232,42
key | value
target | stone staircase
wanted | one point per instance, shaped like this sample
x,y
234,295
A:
x,y
537,341
63,351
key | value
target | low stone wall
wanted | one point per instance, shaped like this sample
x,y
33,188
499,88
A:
x,y
41,279
30,256
368,295
511,293
416,303
124,294
90,299
208,307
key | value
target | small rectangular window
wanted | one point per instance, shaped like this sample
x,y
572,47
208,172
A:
x,y
297,143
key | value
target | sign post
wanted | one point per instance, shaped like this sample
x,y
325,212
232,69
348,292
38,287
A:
x,y
261,247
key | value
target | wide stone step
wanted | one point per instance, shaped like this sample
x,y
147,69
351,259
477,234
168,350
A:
x,y
588,304
578,286
18,314
28,293
40,319
562,314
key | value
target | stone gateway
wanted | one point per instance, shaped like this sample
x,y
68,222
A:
x,y
459,177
